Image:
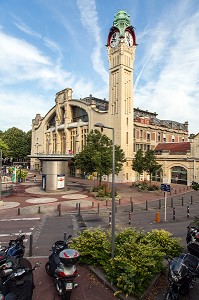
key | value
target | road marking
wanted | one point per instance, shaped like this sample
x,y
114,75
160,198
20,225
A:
x,y
17,219
17,234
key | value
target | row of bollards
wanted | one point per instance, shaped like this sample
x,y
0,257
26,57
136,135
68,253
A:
x,y
157,218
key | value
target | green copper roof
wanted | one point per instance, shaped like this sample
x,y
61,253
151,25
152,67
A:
x,y
121,21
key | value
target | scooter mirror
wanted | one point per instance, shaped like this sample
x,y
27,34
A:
x,y
37,264
70,236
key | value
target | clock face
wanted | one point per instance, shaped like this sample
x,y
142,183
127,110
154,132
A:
x,y
115,39
128,39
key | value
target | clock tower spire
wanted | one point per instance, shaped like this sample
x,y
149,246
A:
x,y
121,47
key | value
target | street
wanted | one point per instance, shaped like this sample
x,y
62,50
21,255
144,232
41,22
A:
x,y
46,227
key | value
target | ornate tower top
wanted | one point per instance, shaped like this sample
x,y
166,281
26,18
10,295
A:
x,y
121,31
121,21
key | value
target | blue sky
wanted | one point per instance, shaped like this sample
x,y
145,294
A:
x,y
49,45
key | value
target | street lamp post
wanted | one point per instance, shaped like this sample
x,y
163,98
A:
x,y
113,186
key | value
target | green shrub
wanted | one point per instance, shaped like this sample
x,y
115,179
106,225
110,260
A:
x,y
195,185
145,186
103,191
93,246
138,255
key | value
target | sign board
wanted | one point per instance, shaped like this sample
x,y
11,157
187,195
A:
x,y
60,181
165,187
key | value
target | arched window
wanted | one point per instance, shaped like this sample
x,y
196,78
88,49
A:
x,y
178,175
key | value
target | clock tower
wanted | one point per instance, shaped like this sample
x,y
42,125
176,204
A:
x,y
121,47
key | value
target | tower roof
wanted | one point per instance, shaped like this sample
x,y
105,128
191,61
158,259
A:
x,y
121,21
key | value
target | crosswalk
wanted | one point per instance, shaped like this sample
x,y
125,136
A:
x,y
10,228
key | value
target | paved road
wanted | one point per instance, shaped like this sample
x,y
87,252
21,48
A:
x,y
10,227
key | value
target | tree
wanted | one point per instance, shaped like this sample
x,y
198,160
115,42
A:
x,y
18,142
4,147
97,155
150,164
138,162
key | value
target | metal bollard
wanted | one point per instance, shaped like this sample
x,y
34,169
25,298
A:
x,y
79,209
64,236
174,213
18,211
92,204
171,202
157,217
119,201
182,201
129,218
191,199
187,211
98,208
59,209
39,210
30,245
160,204
106,202
146,205
132,209
109,223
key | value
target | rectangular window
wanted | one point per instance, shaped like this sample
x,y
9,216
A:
x,y
159,135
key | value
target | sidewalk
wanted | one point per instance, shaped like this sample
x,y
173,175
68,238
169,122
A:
x,y
29,198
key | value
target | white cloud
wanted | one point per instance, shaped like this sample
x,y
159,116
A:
x,y
19,109
89,19
21,61
168,82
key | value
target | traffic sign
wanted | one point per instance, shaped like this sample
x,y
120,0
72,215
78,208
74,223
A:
x,y
165,187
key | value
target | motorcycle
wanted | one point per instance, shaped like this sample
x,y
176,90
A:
x,y
16,247
183,272
62,266
16,278
9,296
192,230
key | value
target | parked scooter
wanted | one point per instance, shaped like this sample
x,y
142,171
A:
x,y
9,296
192,230
183,271
16,277
62,266
16,247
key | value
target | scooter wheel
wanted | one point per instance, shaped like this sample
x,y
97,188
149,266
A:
x,y
47,268
66,296
169,295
